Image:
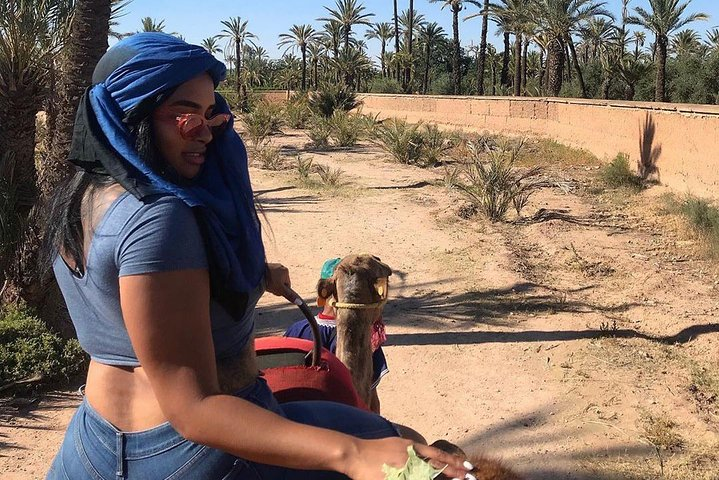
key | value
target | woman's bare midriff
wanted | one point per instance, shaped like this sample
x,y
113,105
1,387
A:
x,y
124,397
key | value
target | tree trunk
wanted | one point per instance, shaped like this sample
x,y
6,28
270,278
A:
x,y
494,78
555,67
504,76
606,87
85,47
238,70
425,82
408,68
524,66
381,57
578,69
660,94
542,68
518,65
304,69
398,69
455,50
483,50
630,92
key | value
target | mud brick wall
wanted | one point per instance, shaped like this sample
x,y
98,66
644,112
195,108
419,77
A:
x,y
676,144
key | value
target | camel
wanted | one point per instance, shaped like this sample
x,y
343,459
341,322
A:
x,y
358,290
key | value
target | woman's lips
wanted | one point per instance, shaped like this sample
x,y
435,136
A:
x,y
194,158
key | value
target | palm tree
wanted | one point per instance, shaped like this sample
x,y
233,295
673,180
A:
x,y
481,62
429,35
210,44
686,42
331,36
560,19
316,51
396,36
712,40
456,7
663,18
300,36
32,33
516,18
410,22
640,39
149,25
631,71
384,33
493,64
348,14
236,30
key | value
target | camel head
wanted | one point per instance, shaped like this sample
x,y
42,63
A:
x,y
357,290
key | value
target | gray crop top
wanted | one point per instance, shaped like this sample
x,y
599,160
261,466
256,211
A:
x,y
134,237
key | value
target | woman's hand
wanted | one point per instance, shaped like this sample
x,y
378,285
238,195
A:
x,y
371,455
277,277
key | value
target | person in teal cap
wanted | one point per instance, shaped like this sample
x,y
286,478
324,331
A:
x,y
328,332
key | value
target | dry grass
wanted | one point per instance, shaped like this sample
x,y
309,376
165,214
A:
x,y
550,153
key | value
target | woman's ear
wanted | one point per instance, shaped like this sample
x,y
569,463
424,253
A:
x,y
325,289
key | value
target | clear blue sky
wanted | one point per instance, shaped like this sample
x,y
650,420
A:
x,y
198,19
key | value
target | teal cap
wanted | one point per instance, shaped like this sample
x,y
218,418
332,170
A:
x,y
328,268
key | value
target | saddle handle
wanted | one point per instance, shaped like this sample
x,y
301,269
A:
x,y
295,299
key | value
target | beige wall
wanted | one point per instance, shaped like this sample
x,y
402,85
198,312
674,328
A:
x,y
274,96
677,143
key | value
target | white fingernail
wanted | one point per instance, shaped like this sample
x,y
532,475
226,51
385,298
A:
x,y
468,465
456,479
469,476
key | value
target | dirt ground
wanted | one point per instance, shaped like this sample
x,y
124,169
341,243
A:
x,y
580,345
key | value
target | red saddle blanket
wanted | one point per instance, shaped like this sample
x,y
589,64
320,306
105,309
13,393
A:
x,y
283,364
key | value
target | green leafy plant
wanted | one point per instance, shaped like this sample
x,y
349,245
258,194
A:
x,y
414,469
268,157
435,144
297,111
319,133
618,174
330,177
28,349
345,128
304,168
333,97
491,181
264,120
402,140
704,217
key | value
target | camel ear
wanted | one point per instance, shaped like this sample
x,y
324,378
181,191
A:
x,y
325,289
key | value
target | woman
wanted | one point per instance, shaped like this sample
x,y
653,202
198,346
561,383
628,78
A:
x,y
159,257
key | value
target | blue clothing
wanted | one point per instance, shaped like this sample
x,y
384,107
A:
x,y
152,64
328,332
157,235
95,450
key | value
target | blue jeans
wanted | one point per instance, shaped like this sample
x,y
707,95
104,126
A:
x,y
94,449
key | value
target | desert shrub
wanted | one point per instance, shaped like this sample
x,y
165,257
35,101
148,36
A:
x,y
618,174
330,177
704,217
28,349
384,85
435,144
304,168
268,157
345,128
401,140
367,124
492,182
297,111
319,133
333,97
264,120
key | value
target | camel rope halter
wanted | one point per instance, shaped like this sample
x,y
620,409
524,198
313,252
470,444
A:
x,y
380,287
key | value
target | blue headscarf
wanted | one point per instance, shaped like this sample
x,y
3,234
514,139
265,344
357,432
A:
x,y
153,64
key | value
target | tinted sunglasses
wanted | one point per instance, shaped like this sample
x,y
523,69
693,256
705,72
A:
x,y
191,125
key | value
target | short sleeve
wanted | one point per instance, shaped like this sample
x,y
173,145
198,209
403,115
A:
x,y
162,236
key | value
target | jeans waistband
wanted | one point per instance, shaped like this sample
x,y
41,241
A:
x,y
139,444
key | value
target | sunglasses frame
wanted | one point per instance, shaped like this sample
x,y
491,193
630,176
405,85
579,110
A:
x,y
182,119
